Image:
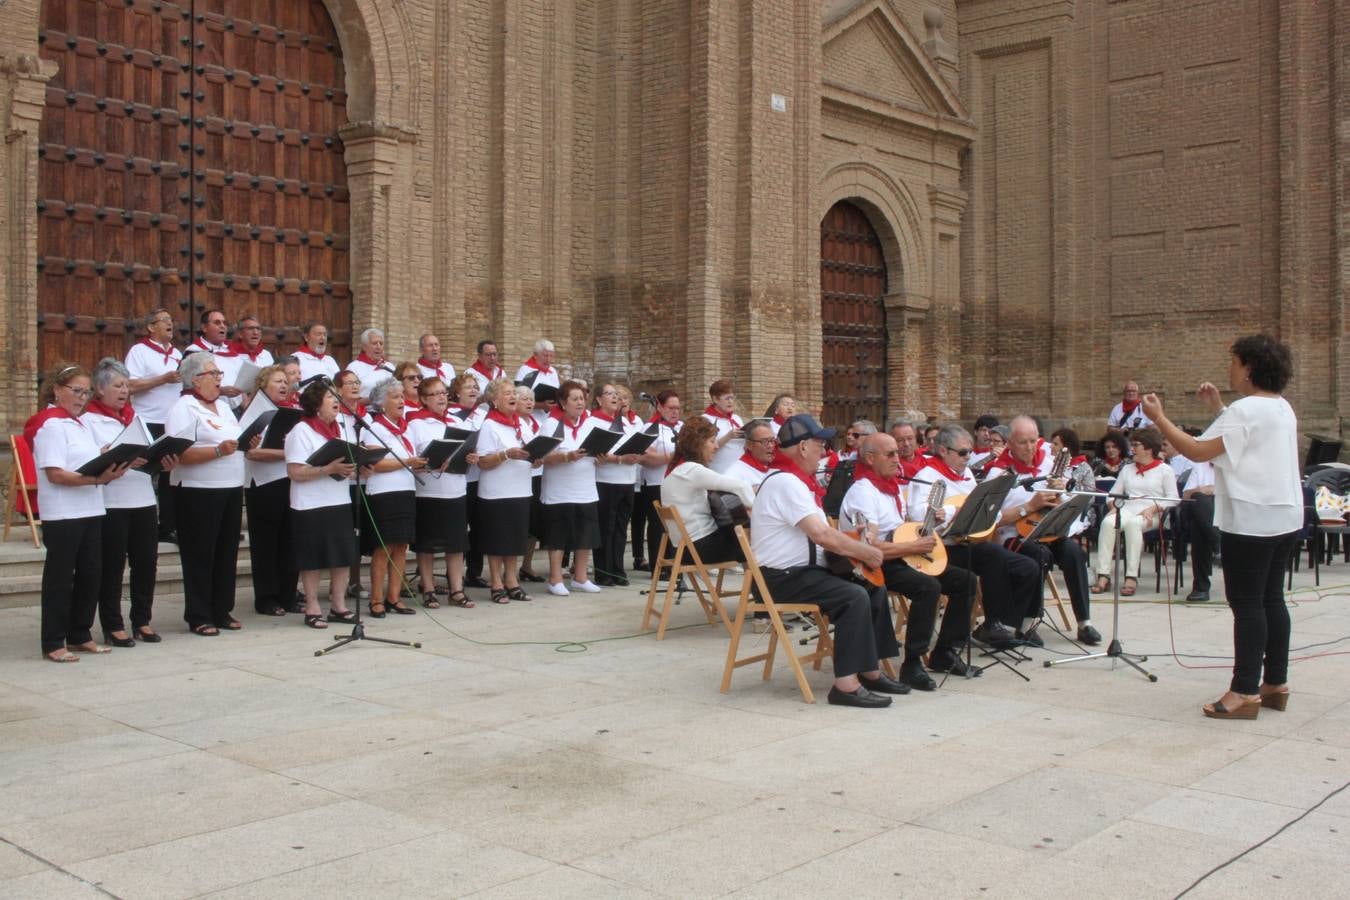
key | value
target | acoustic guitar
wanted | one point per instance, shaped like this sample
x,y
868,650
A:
x,y
934,562
845,566
727,509
1027,525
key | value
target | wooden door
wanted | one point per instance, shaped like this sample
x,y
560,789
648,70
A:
x,y
853,318
190,158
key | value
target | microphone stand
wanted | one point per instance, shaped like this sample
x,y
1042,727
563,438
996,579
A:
x,y
359,625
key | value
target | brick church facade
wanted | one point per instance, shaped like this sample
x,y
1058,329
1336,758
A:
x,y
953,206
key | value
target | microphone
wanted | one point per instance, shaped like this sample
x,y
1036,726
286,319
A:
x,y
306,382
647,398
1030,480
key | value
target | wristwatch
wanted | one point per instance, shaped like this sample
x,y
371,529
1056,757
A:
x,y
1022,511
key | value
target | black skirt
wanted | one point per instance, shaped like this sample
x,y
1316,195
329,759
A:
x,y
536,509
442,525
504,526
391,519
571,526
322,538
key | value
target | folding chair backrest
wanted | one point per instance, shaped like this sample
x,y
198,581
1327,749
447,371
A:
x,y
26,471
673,523
752,573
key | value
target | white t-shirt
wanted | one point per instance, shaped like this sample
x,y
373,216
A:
x,y
617,473
439,485
686,489
512,477
484,380
1020,495
215,425
1256,480
473,421
65,443
664,443
311,365
134,490
742,471
399,479
145,361
916,504
227,360
370,374
783,500
444,371
1202,475
864,501
731,451
549,377
1117,418
318,493
262,360
571,482
258,472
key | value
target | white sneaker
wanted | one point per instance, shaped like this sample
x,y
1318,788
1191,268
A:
x,y
558,590
588,587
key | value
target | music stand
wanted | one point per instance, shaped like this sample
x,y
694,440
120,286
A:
x,y
1113,650
1055,525
973,522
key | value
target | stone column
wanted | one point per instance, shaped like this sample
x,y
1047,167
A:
x,y
943,383
373,155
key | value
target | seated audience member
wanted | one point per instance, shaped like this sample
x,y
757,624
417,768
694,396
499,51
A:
x,y
1113,455
1204,536
686,486
1128,414
1146,477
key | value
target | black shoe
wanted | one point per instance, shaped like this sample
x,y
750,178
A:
x,y
862,697
1197,596
619,581
1089,635
473,581
995,633
147,637
913,674
1030,637
530,577
642,566
950,661
884,684
604,581
270,611
127,641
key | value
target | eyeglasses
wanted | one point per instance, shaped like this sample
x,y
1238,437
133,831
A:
x,y
762,441
412,377
965,452
78,392
214,373
437,394
855,434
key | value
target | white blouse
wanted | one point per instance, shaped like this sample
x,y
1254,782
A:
x,y
65,443
135,489
731,451
665,443
511,478
686,489
439,485
399,479
571,482
215,424
1256,479
1159,481
318,493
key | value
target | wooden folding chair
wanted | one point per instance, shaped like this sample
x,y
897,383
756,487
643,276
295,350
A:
x,y
777,634
22,488
1059,600
699,572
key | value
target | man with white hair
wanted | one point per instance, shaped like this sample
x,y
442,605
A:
x,y
370,365
540,365
429,361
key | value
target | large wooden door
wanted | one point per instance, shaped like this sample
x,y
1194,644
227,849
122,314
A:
x,y
852,317
190,159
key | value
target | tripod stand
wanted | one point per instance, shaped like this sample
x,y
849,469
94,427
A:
x,y
359,626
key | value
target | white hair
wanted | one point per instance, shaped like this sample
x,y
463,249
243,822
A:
x,y
370,333
543,345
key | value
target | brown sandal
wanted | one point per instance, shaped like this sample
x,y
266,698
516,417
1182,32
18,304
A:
x,y
1127,589
430,600
461,599
1102,586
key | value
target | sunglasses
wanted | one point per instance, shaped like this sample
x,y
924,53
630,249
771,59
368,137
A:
x,y
965,452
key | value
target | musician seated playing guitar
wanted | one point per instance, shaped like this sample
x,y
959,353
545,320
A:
x,y
789,535
1010,584
875,498
1030,457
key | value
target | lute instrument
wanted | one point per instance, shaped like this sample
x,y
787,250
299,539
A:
x,y
845,566
1028,524
934,562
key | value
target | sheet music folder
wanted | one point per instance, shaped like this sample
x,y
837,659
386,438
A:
x,y
1055,523
336,448
982,507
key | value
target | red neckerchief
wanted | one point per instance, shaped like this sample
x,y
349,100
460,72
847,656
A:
x,y
1127,408
490,376
381,364
202,400
331,430
631,417
910,467
291,402
240,350
396,430
888,486
778,420
410,407
426,412
1078,460
35,423
533,363
123,415
228,352
304,348
532,422
718,414
945,470
753,463
427,364
602,415
166,352
785,463
557,413
1141,469
1006,460
832,461
513,421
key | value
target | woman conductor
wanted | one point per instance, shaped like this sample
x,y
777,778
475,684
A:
x,y
1258,509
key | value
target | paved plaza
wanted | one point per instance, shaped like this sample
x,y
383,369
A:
x,y
496,762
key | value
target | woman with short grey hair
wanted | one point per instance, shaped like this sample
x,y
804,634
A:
x,y
390,521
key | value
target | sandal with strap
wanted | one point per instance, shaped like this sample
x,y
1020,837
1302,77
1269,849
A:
x,y
461,599
376,610
205,630
518,594
1127,589
61,656
315,622
430,601
1102,586
499,595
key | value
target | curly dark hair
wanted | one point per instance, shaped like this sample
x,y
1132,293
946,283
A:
x,y
1114,437
1150,437
689,442
1270,362
311,398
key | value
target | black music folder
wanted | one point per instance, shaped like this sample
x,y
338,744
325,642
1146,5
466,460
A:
x,y
439,450
255,428
459,460
637,442
600,441
167,445
336,448
542,445
283,420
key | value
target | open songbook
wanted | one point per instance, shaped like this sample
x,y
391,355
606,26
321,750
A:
x,y
134,441
336,448
637,442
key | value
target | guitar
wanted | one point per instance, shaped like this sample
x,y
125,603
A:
x,y
727,509
1027,525
845,566
934,562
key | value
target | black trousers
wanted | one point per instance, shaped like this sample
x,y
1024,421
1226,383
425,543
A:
x,y
1204,538
473,560
646,523
1069,555
616,506
1253,577
1010,583
719,546
208,544
269,545
864,633
70,580
923,592
167,518
129,535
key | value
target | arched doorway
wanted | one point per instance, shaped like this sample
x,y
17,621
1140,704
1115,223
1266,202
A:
x,y
852,317
190,158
